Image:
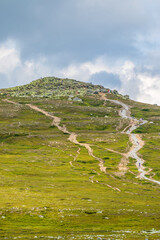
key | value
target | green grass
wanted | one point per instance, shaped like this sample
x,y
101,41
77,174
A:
x,y
42,194
52,87
150,153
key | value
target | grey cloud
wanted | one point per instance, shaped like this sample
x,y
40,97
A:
x,y
106,79
79,29
73,32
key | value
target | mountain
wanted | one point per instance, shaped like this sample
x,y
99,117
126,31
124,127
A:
x,y
78,161
53,87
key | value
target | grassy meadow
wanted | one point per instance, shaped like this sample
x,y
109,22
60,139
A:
x,y
51,188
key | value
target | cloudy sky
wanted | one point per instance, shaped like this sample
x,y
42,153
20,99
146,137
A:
x,y
115,43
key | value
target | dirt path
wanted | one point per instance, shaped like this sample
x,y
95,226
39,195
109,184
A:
x,y
111,150
134,138
72,138
122,166
75,157
6,100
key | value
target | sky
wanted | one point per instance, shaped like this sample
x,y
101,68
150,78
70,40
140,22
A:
x,y
115,43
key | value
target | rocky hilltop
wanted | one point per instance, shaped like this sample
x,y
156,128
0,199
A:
x,y
52,87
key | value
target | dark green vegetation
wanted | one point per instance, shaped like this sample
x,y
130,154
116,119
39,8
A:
x,y
46,187
52,87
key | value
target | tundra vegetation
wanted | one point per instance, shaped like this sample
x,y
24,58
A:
x,y
51,188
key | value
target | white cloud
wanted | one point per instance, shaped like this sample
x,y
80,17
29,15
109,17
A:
x,y
150,89
83,71
140,84
9,57
137,84
130,82
30,70
17,71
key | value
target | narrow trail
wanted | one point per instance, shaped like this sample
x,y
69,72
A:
x,y
72,138
135,140
75,157
122,166
6,100
114,151
105,184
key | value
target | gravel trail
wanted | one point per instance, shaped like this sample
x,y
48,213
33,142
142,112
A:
x,y
135,139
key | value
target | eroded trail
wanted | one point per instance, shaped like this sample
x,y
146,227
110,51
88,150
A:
x,y
135,139
75,157
72,136
9,101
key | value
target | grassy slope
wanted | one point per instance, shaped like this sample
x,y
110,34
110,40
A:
x,y
43,195
51,87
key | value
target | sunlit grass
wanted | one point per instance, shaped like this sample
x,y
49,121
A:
x,y
43,194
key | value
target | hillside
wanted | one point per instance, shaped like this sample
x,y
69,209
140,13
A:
x,y
78,161
52,87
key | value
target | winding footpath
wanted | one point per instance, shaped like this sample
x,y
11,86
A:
x,y
72,138
135,139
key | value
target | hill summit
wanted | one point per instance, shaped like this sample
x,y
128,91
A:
x,y
53,87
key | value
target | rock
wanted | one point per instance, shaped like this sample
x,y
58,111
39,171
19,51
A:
x,y
77,99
